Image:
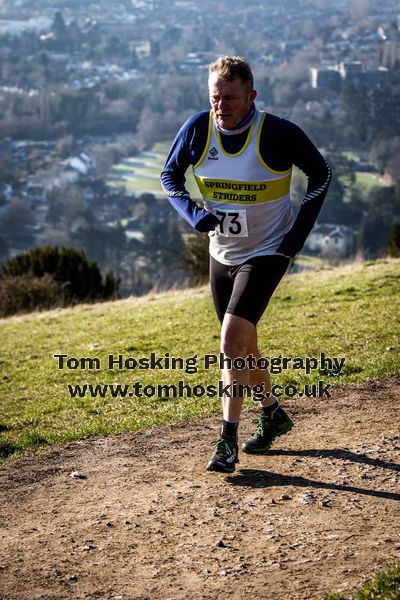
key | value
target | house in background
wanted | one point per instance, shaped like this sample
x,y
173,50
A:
x,y
76,168
331,240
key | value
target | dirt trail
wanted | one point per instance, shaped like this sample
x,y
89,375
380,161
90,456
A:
x,y
318,514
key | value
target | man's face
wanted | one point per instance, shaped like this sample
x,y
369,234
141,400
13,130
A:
x,y
230,100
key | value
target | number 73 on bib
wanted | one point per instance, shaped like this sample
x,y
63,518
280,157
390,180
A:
x,y
233,223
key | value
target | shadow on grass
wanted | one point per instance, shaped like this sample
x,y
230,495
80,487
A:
x,y
32,439
7,448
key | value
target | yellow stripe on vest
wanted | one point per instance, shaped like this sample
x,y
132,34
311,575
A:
x,y
243,192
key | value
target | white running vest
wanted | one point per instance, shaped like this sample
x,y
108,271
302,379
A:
x,y
251,200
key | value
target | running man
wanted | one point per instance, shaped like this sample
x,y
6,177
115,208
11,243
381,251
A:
x,y
242,160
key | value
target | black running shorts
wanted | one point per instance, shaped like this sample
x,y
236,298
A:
x,y
245,290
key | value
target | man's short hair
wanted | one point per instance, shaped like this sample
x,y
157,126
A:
x,y
230,67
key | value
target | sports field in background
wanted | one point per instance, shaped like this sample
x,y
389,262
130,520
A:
x,y
141,174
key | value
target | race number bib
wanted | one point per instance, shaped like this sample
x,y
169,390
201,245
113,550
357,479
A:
x,y
233,223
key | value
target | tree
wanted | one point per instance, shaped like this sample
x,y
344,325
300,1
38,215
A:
x,y
78,277
373,235
58,26
197,258
3,249
333,209
27,293
355,106
55,211
16,223
377,223
394,241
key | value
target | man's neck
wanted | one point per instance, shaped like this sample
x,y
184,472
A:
x,y
242,126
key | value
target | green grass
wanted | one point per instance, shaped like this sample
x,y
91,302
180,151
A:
x,y
364,182
141,173
310,262
350,155
351,311
385,586
367,181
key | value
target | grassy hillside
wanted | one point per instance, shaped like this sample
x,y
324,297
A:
x,y
351,312
141,173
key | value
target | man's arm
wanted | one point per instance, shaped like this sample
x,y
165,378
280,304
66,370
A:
x,y
307,158
186,150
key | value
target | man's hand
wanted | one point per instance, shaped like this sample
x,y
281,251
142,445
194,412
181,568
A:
x,y
207,223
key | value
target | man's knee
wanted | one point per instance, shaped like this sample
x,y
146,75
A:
x,y
232,347
237,336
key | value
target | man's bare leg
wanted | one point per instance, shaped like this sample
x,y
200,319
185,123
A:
x,y
236,336
260,376
274,421
239,340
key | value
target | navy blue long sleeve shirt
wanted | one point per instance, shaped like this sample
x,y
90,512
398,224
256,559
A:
x,y
282,145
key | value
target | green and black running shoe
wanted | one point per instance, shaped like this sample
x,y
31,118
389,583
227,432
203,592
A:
x,y
225,456
267,430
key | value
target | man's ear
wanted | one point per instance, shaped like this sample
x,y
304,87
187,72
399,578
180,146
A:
x,y
253,94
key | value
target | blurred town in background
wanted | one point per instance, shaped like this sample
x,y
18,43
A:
x,y
92,94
